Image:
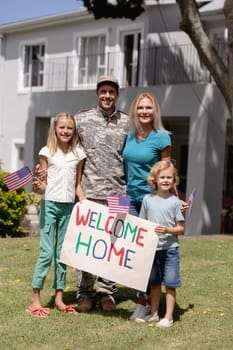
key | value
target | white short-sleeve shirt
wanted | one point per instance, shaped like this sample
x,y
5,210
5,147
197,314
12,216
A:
x,y
62,174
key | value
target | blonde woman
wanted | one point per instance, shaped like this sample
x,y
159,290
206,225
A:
x,y
147,143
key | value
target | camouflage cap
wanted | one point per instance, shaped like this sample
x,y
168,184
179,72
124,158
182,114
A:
x,y
104,79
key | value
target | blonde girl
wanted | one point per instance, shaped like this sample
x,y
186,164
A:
x,y
62,161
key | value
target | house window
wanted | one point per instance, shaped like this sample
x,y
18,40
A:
x,y
132,56
33,71
91,59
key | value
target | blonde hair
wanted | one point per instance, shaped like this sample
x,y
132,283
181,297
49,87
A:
x,y
157,168
134,124
52,138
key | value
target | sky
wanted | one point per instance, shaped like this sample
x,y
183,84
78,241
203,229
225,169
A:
x,y
19,10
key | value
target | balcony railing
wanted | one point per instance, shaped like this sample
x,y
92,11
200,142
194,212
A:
x,y
151,66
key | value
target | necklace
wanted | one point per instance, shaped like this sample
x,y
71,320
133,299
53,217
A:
x,y
142,135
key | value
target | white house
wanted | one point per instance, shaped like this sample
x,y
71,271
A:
x,y
51,64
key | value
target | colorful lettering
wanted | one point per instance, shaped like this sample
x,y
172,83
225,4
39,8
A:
x,y
85,244
82,220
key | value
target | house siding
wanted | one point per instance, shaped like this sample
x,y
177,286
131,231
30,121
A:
x,y
201,104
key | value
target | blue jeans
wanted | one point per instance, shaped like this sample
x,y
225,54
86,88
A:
x,y
54,219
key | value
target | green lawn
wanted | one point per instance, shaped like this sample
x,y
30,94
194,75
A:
x,y
203,315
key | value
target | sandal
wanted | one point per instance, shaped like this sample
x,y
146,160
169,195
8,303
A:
x,y
39,311
68,309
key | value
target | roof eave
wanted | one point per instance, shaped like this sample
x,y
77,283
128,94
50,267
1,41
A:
x,y
48,21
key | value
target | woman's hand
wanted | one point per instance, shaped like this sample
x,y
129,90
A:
x,y
185,206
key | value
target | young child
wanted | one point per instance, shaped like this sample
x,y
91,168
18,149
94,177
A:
x,y
62,160
164,208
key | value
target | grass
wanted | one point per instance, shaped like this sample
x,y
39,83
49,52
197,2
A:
x,y
203,314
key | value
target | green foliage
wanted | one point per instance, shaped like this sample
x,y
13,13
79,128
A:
x,y
12,208
34,198
116,9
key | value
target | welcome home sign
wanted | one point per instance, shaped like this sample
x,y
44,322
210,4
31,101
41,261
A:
x,y
118,247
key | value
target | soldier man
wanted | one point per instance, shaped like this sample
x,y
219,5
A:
x,y
102,132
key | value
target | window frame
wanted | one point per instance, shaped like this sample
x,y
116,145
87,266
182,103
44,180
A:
x,y
101,67
136,29
22,61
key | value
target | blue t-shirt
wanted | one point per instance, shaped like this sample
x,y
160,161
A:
x,y
139,157
163,211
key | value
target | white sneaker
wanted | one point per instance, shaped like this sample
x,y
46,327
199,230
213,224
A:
x,y
148,318
164,323
140,311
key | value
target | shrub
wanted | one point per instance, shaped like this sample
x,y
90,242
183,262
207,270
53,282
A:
x,y
12,209
34,198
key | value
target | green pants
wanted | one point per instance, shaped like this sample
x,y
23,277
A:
x,y
54,218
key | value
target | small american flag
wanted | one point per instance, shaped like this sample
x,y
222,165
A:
x,y
18,179
191,201
118,205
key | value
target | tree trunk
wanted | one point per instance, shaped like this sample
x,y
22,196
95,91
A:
x,y
228,11
192,25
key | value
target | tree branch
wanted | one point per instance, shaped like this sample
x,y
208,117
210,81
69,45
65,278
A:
x,y
192,25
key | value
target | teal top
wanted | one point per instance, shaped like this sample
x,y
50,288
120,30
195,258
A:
x,y
139,157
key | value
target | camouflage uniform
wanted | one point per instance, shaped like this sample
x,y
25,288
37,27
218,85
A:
x,y
102,138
